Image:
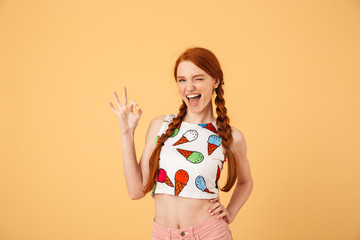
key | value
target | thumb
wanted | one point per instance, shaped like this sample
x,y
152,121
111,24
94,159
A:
x,y
139,110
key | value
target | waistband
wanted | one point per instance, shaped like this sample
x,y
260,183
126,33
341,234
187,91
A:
x,y
188,231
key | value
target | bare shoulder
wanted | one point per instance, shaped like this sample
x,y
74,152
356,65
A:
x,y
237,135
154,127
157,121
238,143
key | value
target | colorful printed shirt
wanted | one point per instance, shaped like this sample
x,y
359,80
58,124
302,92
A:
x,y
191,160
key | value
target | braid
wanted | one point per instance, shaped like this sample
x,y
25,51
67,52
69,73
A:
x,y
224,131
175,122
155,156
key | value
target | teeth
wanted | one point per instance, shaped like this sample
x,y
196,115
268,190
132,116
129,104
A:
x,y
192,96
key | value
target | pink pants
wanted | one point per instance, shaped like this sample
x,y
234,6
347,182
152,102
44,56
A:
x,y
210,229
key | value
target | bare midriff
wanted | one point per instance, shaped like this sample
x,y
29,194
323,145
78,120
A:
x,y
180,212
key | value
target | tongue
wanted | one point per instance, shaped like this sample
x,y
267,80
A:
x,y
194,100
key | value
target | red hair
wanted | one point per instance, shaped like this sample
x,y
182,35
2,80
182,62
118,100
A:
x,y
207,61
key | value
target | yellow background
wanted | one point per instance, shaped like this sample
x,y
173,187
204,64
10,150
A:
x,y
292,84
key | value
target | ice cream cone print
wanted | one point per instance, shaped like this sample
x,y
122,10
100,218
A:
x,y
201,184
188,136
185,153
211,148
176,130
181,179
191,156
214,142
169,118
209,126
158,141
163,178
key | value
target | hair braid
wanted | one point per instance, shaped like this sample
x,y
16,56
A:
x,y
155,156
224,131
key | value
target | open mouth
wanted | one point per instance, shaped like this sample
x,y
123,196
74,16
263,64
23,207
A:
x,y
193,98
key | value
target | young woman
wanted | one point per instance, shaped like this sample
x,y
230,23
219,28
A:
x,y
185,153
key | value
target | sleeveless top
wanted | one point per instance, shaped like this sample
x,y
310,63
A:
x,y
191,161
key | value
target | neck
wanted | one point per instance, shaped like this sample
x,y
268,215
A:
x,y
205,116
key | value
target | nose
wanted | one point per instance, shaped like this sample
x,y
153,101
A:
x,y
190,86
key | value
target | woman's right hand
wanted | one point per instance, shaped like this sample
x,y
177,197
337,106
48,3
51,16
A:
x,y
128,119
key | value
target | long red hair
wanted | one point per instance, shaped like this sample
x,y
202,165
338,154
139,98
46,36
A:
x,y
207,61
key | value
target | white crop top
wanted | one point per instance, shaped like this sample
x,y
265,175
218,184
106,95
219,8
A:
x,y
191,161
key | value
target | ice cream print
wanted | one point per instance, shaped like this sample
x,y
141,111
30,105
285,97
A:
x,y
176,130
209,126
201,184
188,136
181,179
169,118
191,156
163,178
214,142
158,141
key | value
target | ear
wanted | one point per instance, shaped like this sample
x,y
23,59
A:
x,y
217,82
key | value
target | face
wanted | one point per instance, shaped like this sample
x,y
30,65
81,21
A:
x,y
195,86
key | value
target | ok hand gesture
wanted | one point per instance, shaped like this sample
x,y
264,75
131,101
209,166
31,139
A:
x,y
128,119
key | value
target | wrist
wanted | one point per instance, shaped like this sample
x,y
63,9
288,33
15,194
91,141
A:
x,y
127,133
231,217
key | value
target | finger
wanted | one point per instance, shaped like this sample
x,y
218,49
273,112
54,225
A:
x,y
117,99
131,107
225,215
222,215
112,108
140,111
132,104
215,199
214,206
124,96
136,106
220,209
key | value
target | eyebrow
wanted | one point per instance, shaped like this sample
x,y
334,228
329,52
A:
x,y
197,75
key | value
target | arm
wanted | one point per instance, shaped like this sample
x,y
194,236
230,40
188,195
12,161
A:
x,y
136,174
244,184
